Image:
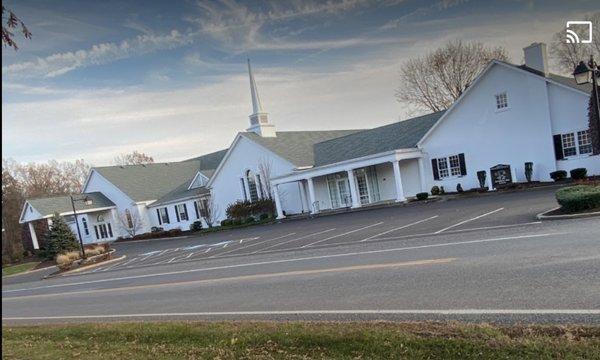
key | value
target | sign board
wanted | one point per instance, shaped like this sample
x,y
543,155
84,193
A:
x,y
501,175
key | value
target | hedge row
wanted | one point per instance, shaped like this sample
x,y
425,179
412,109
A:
x,y
579,198
242,210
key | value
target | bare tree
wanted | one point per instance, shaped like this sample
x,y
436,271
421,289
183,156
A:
x,y
133,158
436,80
131,222
568,55
10,22
264,169
212,211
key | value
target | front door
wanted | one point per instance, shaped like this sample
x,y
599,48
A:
x,y
339,190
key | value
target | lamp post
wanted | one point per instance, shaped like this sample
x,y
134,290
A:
x,y
589,73
87,201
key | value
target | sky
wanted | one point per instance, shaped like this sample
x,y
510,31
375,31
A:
x,y
169,78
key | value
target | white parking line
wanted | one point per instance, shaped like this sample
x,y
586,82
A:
x,y
399,228
326,312
308,258
296,239
469,220
251,245
346,233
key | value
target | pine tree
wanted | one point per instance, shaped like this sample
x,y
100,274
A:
x,y
594,123
59,238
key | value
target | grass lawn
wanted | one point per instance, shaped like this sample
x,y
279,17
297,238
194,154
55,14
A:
x,y
266,340
15,269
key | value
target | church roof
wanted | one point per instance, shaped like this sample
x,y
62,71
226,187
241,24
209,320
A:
x,y
297,147
47,206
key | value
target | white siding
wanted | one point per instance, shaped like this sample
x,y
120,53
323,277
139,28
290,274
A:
x,y
247,155
488,137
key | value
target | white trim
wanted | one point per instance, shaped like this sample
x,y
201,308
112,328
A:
x,y
198,173
113,185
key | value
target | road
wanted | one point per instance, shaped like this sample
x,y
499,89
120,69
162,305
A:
x,y
475,259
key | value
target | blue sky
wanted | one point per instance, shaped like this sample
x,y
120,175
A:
x,y
168,77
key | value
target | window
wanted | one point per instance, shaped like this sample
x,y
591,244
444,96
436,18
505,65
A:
x,y
181,212
585,142
252,186
454,165
103,231
259,184
243,189
568,143
443,167
86,230
129,219
451,166
163,216
501,101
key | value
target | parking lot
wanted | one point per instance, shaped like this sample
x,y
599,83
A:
x,y
407,224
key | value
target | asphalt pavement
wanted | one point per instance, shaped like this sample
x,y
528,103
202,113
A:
x,y
478,259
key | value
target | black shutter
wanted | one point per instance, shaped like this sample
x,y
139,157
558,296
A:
x,y
196,209
558,149
110,230
96,231
167,212
159,219
177,213
185,211
434,167
463,166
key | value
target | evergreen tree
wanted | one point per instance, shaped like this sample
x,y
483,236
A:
x,y
594,122
59,238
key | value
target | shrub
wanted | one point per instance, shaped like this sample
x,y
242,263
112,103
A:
x,y
245,209
156,229
459,188
174,232
227,222
528,170
250,220
578,174
58,239
422,196
579,198
196,226
73,255
63,262
92,252
264,217
558,175
442,191
435,190
237,222
481,175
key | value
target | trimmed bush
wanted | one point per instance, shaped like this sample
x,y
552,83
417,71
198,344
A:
x,y
196,226
245,209
63,262
459,188
558,175
422,196
578,198
578,174
237,222
156,229
227,222
264,217
435,190
481,175
250,220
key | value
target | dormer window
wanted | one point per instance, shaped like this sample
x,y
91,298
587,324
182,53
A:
x,y
501,101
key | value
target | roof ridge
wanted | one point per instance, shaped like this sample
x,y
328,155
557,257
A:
x,y
166,163
60,195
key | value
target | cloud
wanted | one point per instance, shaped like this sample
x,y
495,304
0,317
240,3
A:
x,y
62,63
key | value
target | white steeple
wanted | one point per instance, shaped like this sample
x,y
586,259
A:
x,y
259,120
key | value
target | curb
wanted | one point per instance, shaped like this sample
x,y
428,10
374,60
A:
x,y
543,216
83,268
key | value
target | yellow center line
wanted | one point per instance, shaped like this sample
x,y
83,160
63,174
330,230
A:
x,y
240,278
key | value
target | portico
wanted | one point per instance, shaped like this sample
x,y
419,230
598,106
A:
x,y
360,182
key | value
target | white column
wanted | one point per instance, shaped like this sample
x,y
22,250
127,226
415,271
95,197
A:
x,y
398,180
422,175
303,199
34,239
278,202
353,192
311,196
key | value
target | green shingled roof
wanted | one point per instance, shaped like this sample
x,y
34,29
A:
x,y
150,181
296,146
400,135
210,161
62,204
181,193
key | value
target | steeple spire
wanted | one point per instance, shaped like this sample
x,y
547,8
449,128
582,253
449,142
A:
x,y
259,120
256,105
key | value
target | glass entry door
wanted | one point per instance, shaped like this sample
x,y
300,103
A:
x,y
339,190
366,184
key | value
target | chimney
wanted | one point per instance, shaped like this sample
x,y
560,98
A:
x,y
536,57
